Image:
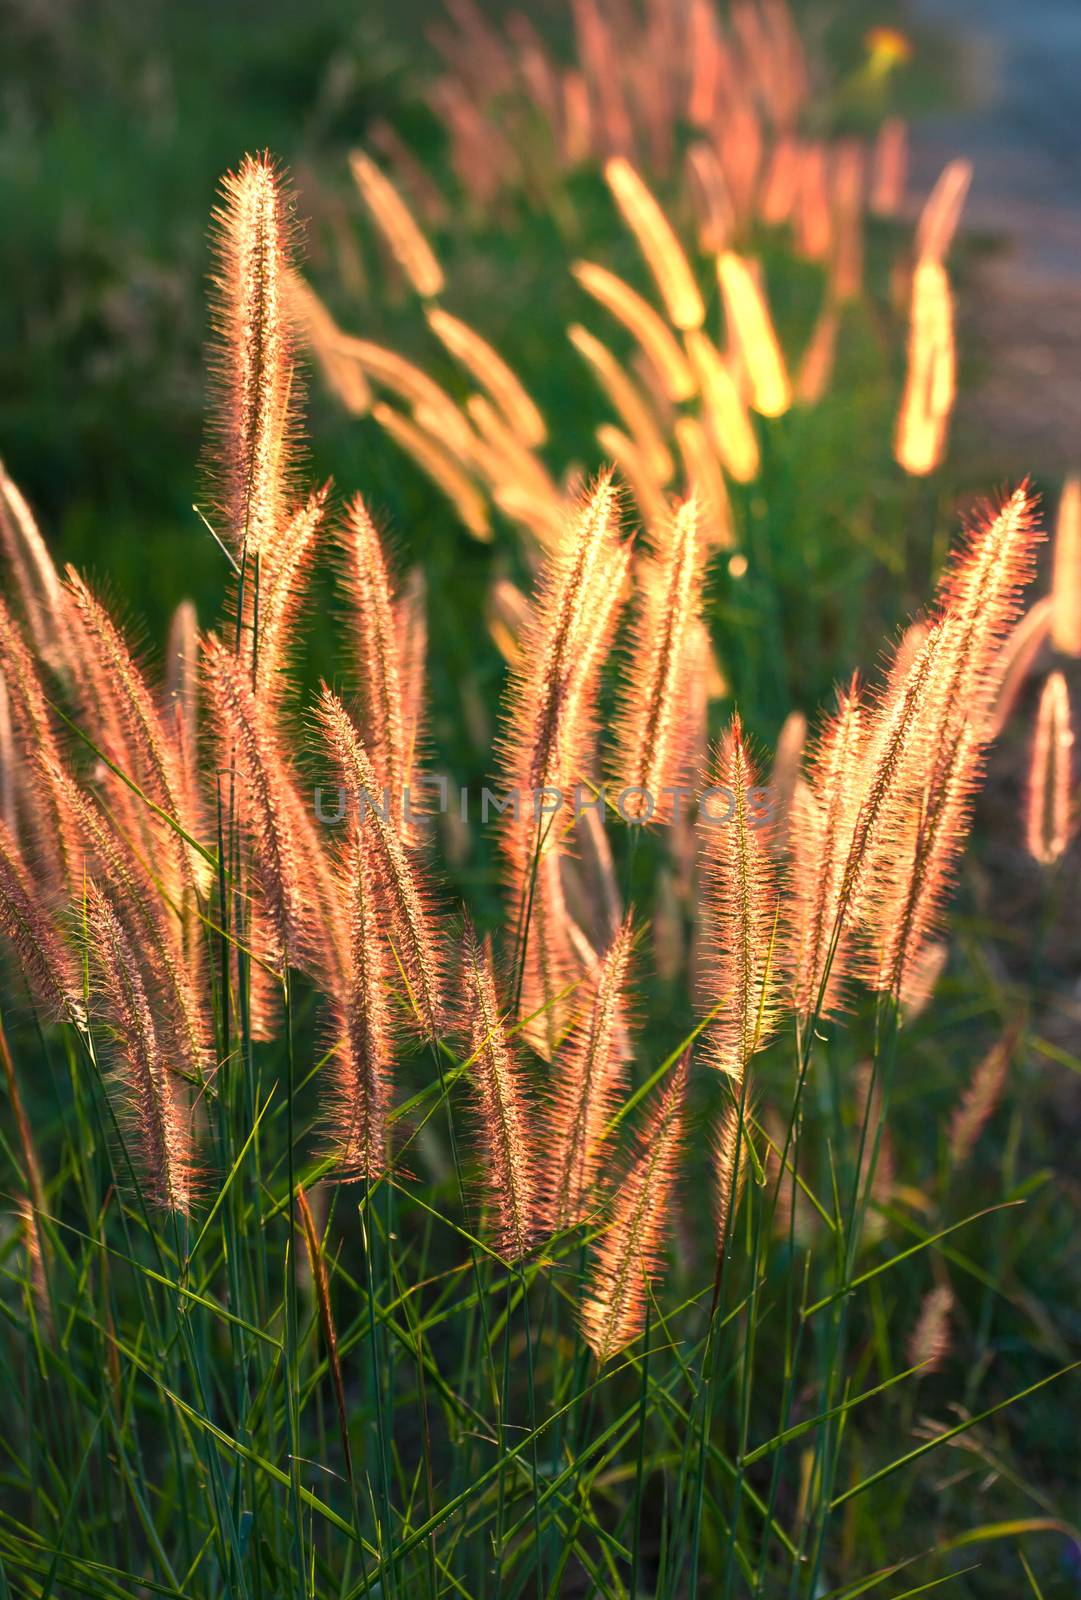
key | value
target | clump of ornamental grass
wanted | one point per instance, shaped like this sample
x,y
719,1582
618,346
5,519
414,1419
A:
x,y
258,984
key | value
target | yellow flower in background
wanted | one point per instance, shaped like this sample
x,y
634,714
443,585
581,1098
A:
x,y
886,48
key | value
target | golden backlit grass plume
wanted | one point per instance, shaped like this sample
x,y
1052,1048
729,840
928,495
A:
x,y
159,1120
662,251
360,1068
51,974
377,643
930,385
750,327
1049,796
587,1078
824,810
416,939
739,906
398,226
154,936
32,729
979,1098
145,751
249,746
628,1254
654,735
1066,573
925,818
255,423
638,316
546,743
502,1110
283,591
487,367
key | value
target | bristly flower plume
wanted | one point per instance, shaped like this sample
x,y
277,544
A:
x,y
823,814
587,1078
247,740
1050,775
503,1115
740,907
929,1341
979,1098
951,688
256,378
283,581
655,733
50,972
361,1066
160,1122
613,1311
418,947
377,643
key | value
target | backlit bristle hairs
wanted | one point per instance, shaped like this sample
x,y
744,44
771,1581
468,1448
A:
x,y
547,737
822,817
1050,778
502,1112
655,732
740,906
417,945
911,868
362,1063
159,1120
255,371
378,643
628,1255
588,1077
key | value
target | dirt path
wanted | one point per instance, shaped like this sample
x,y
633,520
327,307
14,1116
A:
x,y
1019,120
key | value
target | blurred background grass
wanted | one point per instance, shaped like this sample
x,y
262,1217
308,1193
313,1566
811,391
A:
x,y
117,123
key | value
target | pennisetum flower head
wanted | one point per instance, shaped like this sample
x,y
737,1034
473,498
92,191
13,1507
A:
x,y
502,1108
378,647
655,731
159,1120
823,815
357,1105
248,742
613,1310
929,1341
1050,778
740,906
417,944
51,973
587,1076
255,374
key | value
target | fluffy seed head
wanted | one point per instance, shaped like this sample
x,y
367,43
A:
x,y
160,1123
655,734
247,739
613,1310
418,949
502,1109
1066,577
638,316
740,906
1050,776
979,1098
588,1075
47,964
751,326
254,370
658,244
930,386
929,1341
399,228
356,1112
